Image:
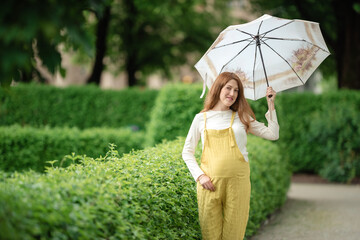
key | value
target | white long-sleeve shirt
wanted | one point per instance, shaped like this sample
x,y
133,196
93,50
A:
x,y
221,120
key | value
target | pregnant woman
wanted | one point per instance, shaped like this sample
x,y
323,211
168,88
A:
x,y
223,178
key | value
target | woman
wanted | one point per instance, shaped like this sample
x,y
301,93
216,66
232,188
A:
x,y
223,179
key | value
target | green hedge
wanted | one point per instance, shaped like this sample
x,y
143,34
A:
x,y
175,108
82,107
293,110
22,148
270,180
309,138
148,194
320,133
334,138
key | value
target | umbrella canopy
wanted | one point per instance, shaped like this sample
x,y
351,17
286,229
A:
x,y
268,51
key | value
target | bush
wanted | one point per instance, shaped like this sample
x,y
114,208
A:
x,y
176,107
293,111
148,194
298,115
334,139
174,110
22,148
270,180
82,107
310,124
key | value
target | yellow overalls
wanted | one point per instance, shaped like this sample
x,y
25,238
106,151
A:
x,y
224,213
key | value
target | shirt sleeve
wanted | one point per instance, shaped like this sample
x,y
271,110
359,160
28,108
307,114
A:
x,y
270,132
188,153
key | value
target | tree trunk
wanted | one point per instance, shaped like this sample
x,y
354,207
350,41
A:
x,y
348,47
101,35
26,76
130,41
131,70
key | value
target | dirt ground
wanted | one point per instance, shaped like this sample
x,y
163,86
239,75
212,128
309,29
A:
x,y
315,210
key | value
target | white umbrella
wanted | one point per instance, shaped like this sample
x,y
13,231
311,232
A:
x,y
268,51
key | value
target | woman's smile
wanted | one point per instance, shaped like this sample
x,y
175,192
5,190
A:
x,y
228,95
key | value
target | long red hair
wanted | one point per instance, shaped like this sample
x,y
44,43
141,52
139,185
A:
x,y
241,106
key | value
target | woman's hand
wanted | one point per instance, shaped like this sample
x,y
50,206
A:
x,y
270,100
205,181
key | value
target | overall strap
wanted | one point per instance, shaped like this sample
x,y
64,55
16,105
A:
x,y
206,141
231,132
204,120
232,118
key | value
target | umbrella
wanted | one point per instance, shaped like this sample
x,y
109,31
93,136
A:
x,y
268,51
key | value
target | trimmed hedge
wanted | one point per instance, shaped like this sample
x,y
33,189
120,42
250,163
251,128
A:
x,y
339,140
23,148
175,108
148,194
76,106
319,130
270,181
309,138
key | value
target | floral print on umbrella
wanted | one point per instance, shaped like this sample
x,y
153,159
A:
x,y
301,60
244,79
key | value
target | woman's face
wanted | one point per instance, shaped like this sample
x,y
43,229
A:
x,y
229,93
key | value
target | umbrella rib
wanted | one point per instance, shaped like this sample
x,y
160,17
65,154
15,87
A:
x,y
235,56
294,39
247,39
259,28
277,27
251,35
285,61
254,70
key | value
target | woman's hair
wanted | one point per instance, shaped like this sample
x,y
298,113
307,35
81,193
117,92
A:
x,y
241,106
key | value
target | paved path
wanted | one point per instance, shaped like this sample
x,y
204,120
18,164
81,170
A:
x,y
316,211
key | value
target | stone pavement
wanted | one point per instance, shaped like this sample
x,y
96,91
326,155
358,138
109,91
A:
x,y
316,211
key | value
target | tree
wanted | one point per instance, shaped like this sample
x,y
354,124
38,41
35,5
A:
x,y
340,24
100,46
147,36
139,36
28,30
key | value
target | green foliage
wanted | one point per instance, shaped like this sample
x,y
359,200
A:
x,y
144,37
300,116
148,194
30,29
270,180
23,148
176,107
320,133
293,110
174,110
82,107
260,107
356,7
153,36
335,132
